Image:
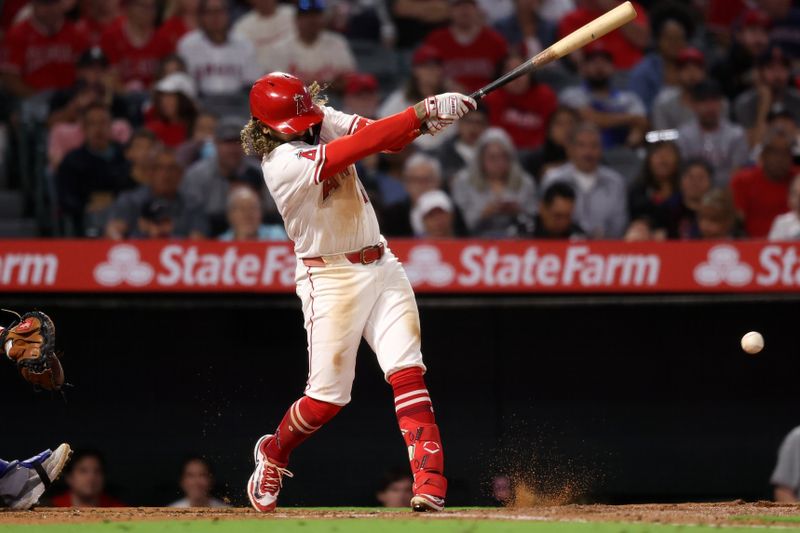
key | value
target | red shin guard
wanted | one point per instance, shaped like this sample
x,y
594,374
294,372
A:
x,y
419,429
303,418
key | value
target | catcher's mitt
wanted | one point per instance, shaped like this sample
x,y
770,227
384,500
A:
x,y
29,343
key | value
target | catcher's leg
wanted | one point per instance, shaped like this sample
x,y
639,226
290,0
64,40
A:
x,y
393,332
22,483
336,302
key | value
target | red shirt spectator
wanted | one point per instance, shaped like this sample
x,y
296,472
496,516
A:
x,y
133,47
42,51
626,53
93,29
104,500
760,193
522,108
171,32
470,51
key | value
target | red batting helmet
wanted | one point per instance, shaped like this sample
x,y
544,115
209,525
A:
x,y
282,102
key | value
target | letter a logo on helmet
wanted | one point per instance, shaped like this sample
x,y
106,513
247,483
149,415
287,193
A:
x,y
282,102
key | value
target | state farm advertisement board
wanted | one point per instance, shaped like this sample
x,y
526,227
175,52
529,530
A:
x,y
461,266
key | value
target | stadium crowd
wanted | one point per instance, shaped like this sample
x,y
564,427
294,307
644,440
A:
x,y
121,118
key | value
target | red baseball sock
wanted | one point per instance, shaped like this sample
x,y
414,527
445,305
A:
x,y
418,426
303,418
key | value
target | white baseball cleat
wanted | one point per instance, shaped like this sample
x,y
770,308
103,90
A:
x,y
423,503
43,469
267,480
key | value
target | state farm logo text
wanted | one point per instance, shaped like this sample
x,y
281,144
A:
x,y
487,265
187,266
26,269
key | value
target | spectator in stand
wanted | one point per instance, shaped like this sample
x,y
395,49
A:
x,y
600,205
132,46
525,30
361,95
201,144
673,105
771,94
427,77
625,44
210,180
244,218
458,151
96,16
158,209
643,229
554,151
197,483
712,136
221,64
678,214
735,71
181,18
494,190
522,108
658,69
89,177
785,19
395,489
364,21
760,192
86,480
267,26
555,216
67,106
716,218
416,19
432,217
786,227
173,112
40,53
786,476
785,121
471,51
313,53
657,182
421,173
620,115
139,152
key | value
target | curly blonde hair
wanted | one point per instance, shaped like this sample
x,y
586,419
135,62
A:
x,y
255,136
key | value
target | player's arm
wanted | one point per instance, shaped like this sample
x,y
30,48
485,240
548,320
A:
x,y
389,133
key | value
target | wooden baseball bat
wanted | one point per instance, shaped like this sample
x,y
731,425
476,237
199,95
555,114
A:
x,y
602,25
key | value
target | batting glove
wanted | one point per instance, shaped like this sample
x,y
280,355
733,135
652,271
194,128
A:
x,y
444,109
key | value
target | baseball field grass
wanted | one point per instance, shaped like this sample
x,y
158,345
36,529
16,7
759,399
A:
x,y
729,517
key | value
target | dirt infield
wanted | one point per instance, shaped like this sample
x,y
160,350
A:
x,y
729,513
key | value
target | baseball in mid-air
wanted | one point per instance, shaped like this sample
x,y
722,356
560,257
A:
x,y
753,342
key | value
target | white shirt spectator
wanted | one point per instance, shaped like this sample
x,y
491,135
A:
x,y
267,33
554,10
600,202
496,9
212,502
324,60
787,470
227,68
785,227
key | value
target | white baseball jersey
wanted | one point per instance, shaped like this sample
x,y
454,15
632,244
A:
x,y
219,69
322,217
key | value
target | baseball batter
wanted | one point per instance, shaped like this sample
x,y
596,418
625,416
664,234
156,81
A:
x,y
28,343
350,283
